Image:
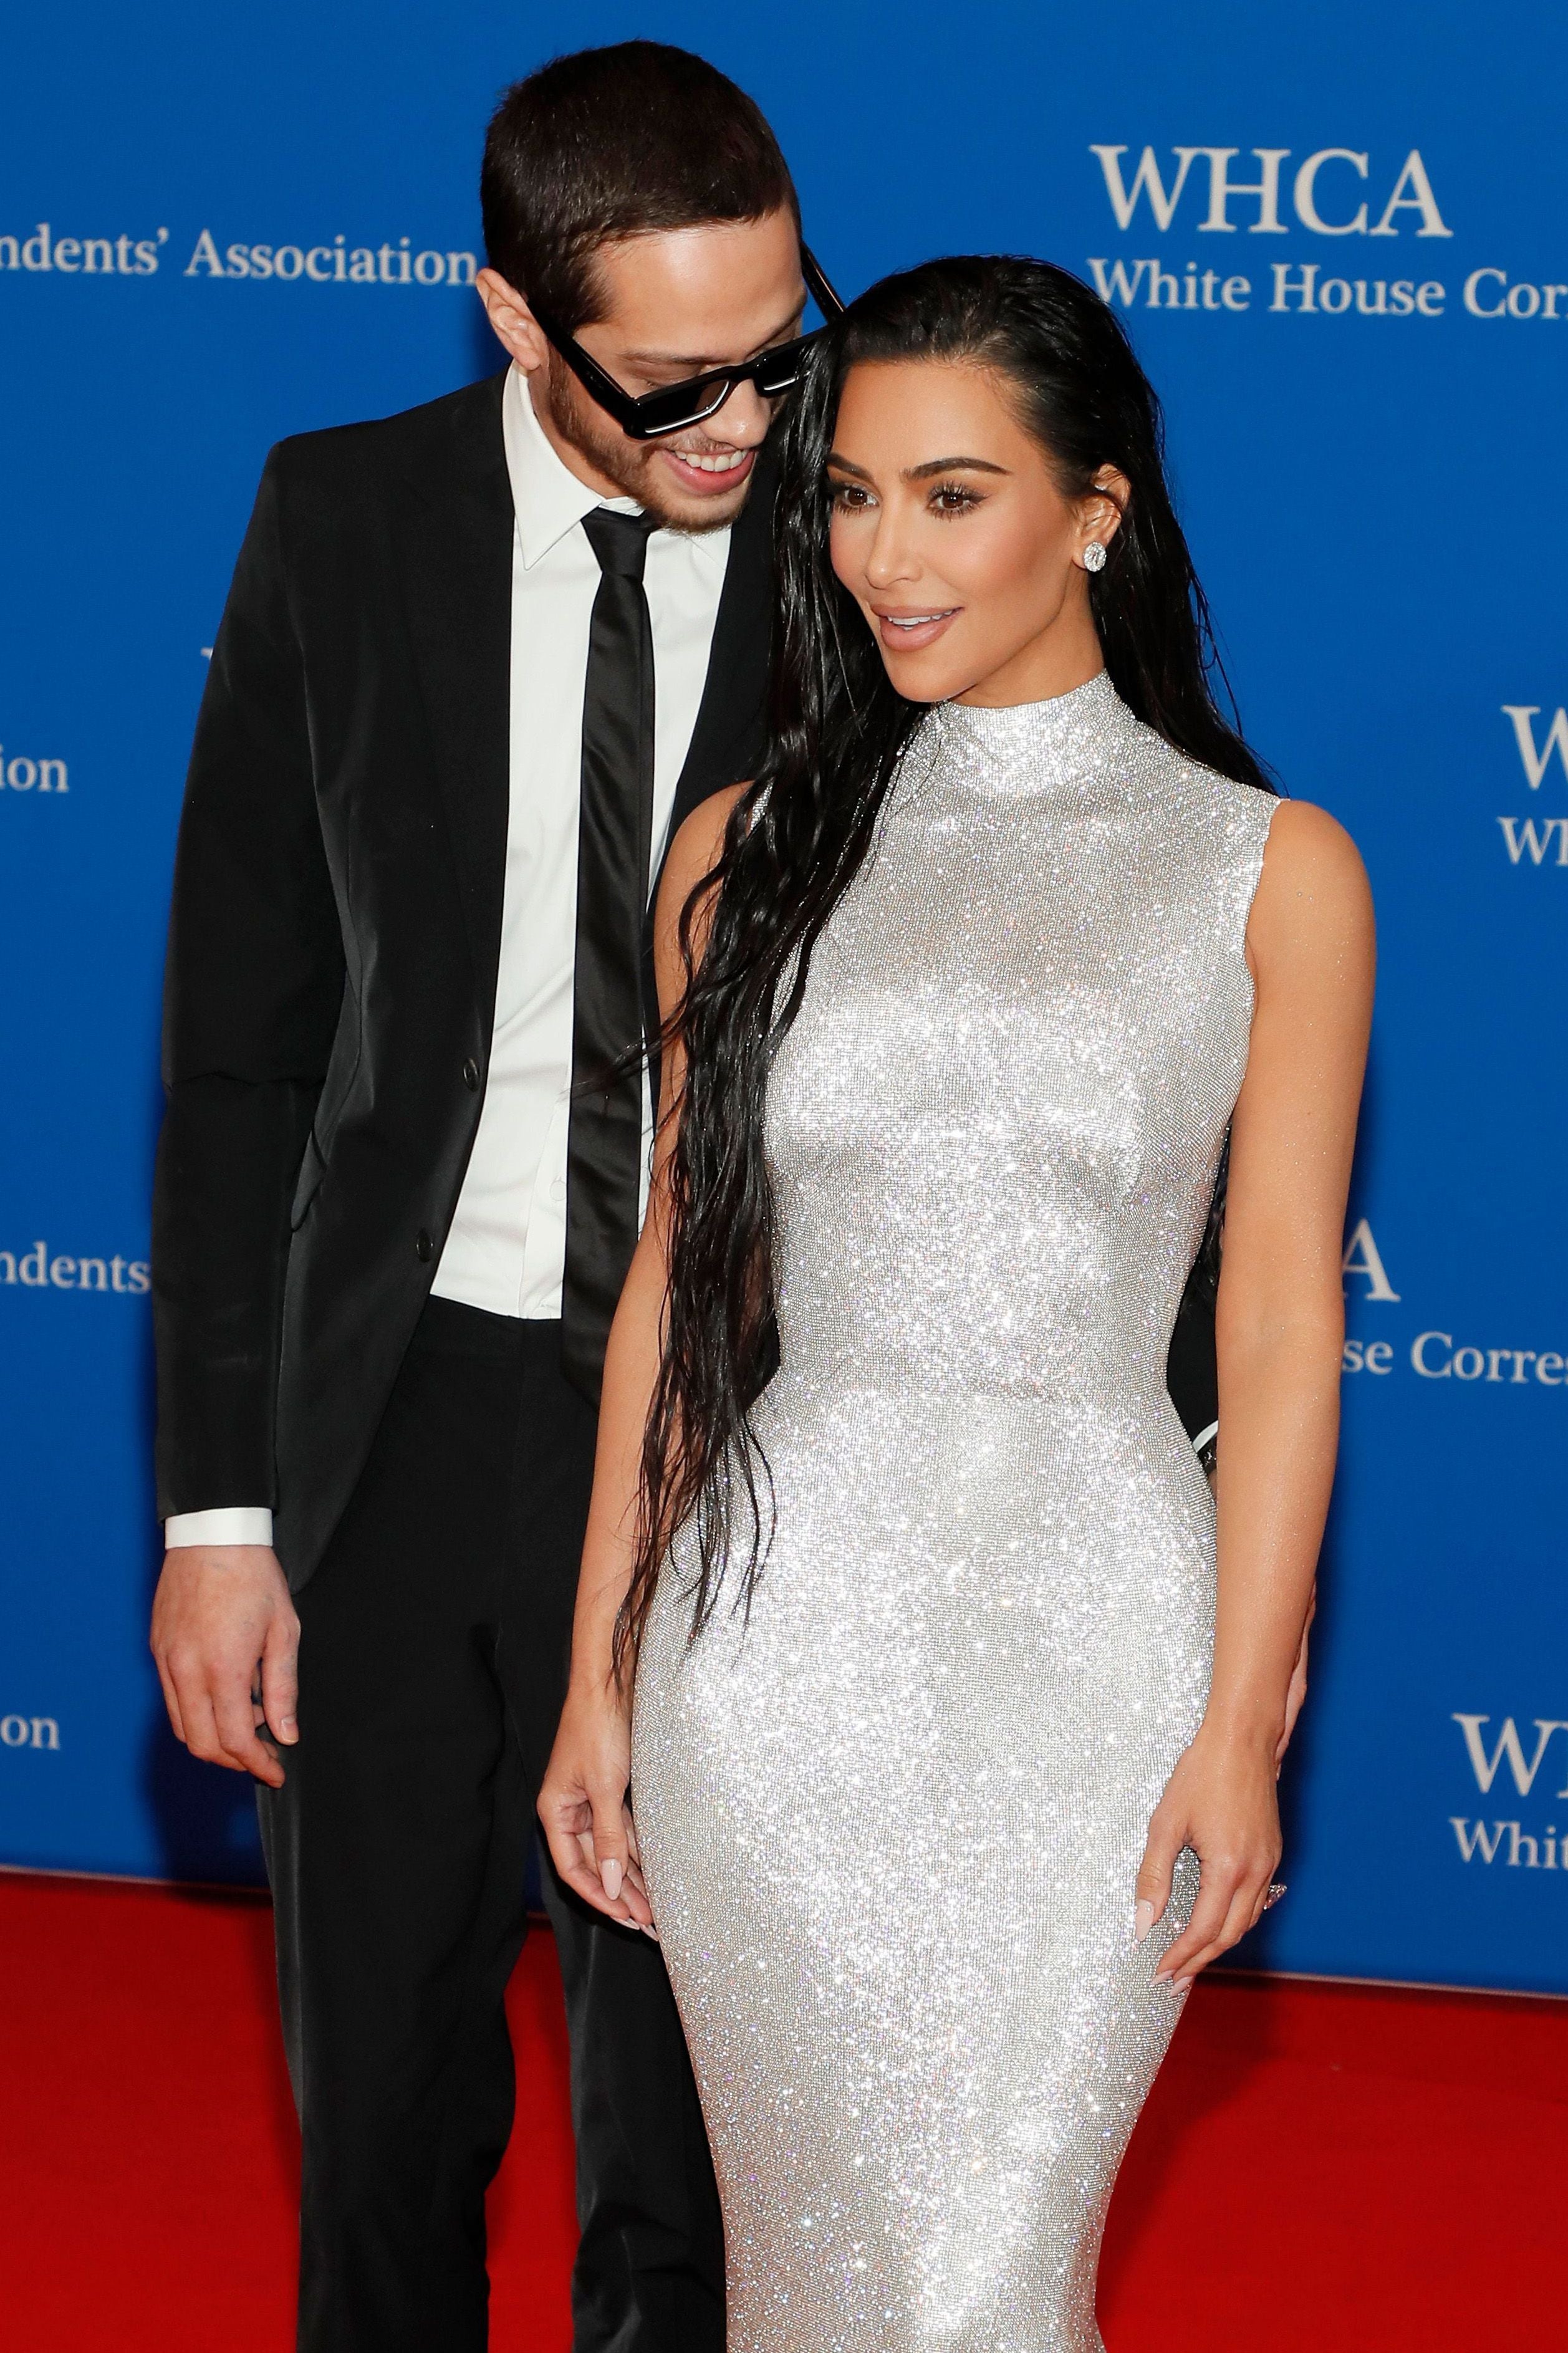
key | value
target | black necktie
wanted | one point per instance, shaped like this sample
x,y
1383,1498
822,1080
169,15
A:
x,y
603,1139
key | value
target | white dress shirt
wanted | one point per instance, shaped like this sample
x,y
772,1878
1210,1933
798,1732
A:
x,y
506,1250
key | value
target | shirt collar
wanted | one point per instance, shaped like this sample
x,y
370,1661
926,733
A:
x,y
547,497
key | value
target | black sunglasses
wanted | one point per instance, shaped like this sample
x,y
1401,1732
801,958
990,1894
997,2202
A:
x,y
645,415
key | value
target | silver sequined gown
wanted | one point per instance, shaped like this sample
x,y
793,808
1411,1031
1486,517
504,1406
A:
x,y
892,1826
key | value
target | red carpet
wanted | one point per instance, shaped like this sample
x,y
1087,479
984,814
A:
x,y
1320,2167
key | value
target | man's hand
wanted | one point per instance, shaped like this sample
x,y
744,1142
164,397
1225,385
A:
x,y
227,1644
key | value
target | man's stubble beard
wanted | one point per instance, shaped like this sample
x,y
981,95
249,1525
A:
x,y
633,466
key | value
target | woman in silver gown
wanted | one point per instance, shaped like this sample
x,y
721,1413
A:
x,y
941,1703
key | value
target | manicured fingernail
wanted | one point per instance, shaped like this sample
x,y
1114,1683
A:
x,y
1143,1921
610,1877
651,1932
288,1729
1181,1985
1161,1977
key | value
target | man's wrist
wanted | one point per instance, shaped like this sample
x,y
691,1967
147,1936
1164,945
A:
x,y
234,1524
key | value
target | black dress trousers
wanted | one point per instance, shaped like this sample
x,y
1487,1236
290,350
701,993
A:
x,y
431,1668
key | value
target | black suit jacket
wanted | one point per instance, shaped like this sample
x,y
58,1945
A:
x,y
335,937
334,943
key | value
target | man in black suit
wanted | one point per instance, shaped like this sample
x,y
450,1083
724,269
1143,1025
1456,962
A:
x,y
477,664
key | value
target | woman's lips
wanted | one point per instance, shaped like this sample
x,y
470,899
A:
x,y
906,631
711,480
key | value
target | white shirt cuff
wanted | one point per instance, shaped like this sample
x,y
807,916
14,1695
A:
x,y
241,1526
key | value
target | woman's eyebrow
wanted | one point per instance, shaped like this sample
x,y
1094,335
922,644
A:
x,y
953,465
922,473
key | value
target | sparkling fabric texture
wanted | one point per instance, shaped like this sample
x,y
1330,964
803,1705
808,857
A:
x,y
891,1822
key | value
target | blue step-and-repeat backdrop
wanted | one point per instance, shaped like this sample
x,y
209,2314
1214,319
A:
x,y
1340,239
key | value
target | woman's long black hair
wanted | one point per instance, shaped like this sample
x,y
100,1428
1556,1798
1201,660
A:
x,y
798,837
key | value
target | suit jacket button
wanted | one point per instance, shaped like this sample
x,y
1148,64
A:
x,y
423,1248
472,1075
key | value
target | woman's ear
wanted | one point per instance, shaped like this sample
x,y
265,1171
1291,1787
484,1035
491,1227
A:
x,y
1100,512
517,330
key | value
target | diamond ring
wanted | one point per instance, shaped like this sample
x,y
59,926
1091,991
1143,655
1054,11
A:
x,y
1273,1895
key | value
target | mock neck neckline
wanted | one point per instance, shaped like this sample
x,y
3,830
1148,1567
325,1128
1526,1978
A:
x,y
1018,748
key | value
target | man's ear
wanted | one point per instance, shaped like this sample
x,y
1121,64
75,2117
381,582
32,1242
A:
x,y
516,328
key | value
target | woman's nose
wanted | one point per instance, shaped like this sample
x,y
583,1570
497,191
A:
x,y
890,557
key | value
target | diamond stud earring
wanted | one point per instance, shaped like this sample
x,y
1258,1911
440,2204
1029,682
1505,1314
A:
x,y
1094,557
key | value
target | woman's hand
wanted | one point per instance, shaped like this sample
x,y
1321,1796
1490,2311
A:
x,y
582,1805
1221,1801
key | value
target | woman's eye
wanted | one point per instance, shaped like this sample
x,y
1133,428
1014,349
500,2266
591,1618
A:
x,y
849,497
952,498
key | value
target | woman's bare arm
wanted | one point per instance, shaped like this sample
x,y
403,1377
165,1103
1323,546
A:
x,y
1279,1331
582,1804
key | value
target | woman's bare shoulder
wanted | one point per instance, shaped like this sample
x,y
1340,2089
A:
x,y
1313,882
695,848
693,855
1313,844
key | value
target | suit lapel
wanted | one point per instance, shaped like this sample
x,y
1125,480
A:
x,y
456,540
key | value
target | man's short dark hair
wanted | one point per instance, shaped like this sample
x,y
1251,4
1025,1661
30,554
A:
x,y
614,143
